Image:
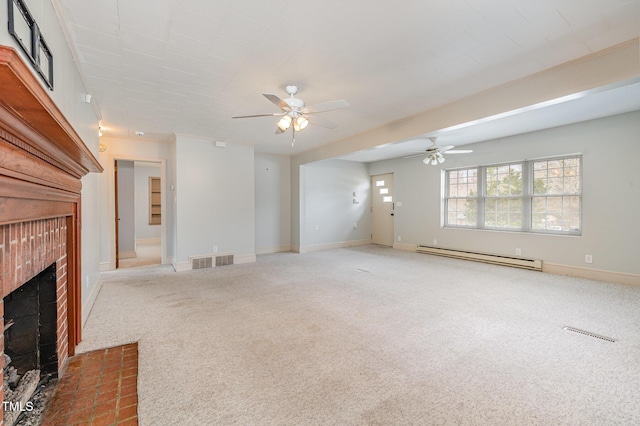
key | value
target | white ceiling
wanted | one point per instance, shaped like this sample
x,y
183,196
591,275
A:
x,y
605,101
188,66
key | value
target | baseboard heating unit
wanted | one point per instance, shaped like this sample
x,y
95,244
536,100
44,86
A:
x,y
517,262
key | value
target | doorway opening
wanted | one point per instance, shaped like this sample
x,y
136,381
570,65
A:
x,y
138,208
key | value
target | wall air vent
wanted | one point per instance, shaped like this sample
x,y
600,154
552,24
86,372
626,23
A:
x,y
210,261
202,262
224,260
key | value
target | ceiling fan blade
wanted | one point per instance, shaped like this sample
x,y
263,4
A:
x,y
413,155
325,106
458,151
322,122
277,101
276,114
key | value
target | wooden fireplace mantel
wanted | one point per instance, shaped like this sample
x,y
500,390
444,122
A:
x,y
28,109
42,162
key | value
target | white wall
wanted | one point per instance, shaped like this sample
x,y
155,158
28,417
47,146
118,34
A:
x,y
272,180
329,218
215,200
68,95
142,172
611,196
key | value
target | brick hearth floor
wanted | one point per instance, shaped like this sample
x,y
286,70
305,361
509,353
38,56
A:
x,y
97,388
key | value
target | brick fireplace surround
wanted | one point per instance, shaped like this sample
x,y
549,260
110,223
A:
x,y
42,162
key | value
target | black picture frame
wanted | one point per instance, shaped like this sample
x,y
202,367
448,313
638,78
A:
x,y
25,31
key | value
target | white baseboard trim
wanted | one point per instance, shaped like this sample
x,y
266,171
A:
x,y
245,258
86,307
405,246
295,249
329,246
107,266
127,254
268,250
143,241
591,274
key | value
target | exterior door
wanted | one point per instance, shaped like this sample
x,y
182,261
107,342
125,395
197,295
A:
x,y
382,206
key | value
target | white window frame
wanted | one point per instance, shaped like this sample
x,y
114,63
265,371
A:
x,y
526,197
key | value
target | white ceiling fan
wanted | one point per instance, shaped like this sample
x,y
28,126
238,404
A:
x,y
434,152
295,114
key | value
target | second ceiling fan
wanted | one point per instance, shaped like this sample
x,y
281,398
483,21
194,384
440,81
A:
x,y
434,152
295,114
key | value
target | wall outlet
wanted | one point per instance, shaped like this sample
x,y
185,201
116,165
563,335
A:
x,y
215,249
355,225
399,238
317,227
399,204
588,258
518,251
435,242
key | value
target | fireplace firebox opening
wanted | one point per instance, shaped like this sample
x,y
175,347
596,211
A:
x,y
30,314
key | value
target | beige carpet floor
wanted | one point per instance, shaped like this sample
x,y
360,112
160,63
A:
x,y
373,336
146,255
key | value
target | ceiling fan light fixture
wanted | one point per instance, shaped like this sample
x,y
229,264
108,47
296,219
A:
x,y
285,122
300,123
434,159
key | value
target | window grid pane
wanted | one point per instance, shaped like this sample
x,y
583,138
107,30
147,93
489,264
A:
x,y
462,192
557,177
462,212
503,213
556,213
463,183
504,181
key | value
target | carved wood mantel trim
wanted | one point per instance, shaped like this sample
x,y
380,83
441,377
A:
x,y
42,162
33,118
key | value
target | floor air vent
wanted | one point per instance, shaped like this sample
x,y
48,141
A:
x,y
224,260
590,334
